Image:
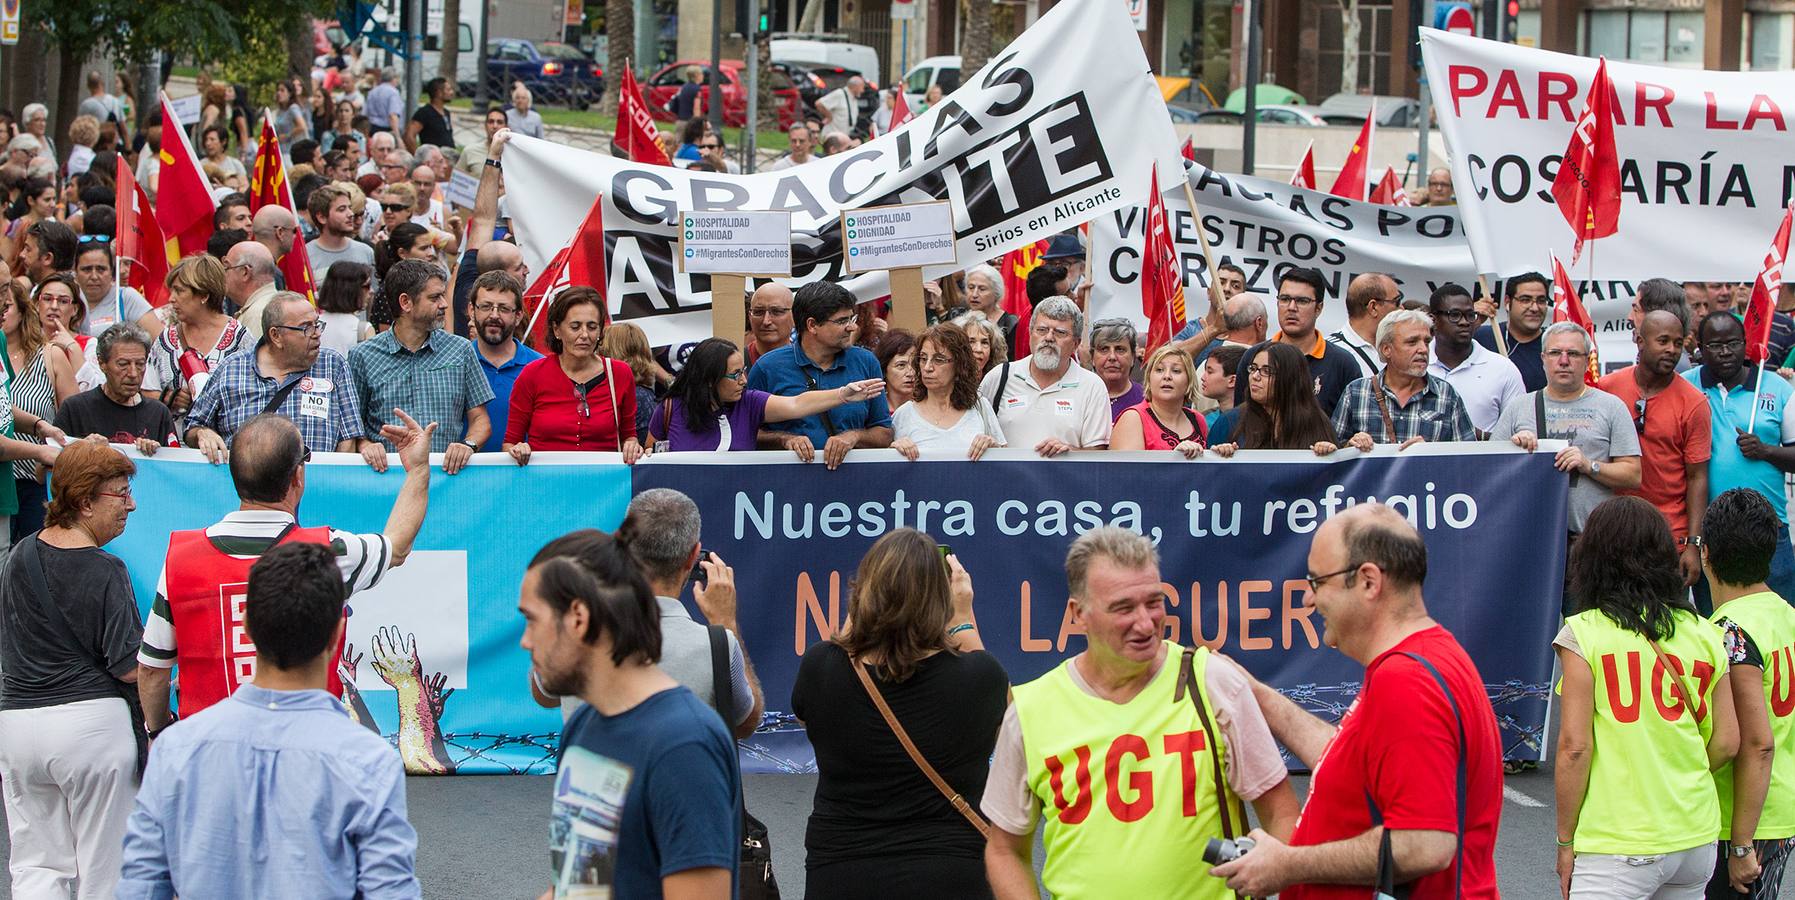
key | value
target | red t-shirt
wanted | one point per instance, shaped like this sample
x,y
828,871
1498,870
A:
x,y
546,413
1399,743
1677,435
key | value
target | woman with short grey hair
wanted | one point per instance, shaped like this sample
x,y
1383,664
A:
x,y
985,294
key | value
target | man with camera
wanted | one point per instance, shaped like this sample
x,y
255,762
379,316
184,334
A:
x,y
1122,748
1408,787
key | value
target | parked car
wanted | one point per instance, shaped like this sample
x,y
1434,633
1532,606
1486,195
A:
x,y
825,50
666,81
1350,109
554,72
942,70
1269,114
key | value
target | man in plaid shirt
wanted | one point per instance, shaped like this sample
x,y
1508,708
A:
x,y
1403,404
289,374
417,366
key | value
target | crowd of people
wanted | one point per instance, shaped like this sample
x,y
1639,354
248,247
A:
x,y
935,774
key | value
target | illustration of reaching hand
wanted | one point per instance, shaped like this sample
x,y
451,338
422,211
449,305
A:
x,y
347,666
420,702
433,689
349,663
396,658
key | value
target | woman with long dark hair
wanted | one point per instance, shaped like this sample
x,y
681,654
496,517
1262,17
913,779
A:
x,y
948,413
407,240
877,819
710,408
1633,776
341,300
1281,412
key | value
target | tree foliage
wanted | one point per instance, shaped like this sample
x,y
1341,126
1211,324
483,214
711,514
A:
x,y
203,30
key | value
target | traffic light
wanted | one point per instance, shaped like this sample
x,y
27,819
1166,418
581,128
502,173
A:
x,y
1511,21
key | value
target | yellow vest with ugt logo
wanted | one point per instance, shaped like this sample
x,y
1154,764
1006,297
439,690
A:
x,y
1650,790
1126,790
1771,623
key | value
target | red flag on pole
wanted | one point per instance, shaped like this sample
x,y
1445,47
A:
x,y
635,127
184,203
580,262
1350,183
1762,306
1568,307
900,112
1189,150
1162,287
268,185
1587,188
1389,190
139,245
1304,175
1015,268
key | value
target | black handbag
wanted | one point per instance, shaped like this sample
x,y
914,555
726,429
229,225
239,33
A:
x,y
754,879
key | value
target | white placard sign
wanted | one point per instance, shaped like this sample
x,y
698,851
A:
x,y
461,189
903,236
738,242
187,109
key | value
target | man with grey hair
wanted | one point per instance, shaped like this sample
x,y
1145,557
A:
x,y
1047,401
521,118
249,282
385,107
116,410
1404,403
1122,704
1603,455
769,321
1369,298
801,144
1242,323
840,108
380,145
661,532
1419,752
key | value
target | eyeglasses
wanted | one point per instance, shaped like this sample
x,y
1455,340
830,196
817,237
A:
x,y
770,312
1735,345
316,326
229,268
1639,415
737,375
394,207
305,455
1530,299
1295,300
841,321
487,309
1567,354
124,495
1458,316
1256,369
936,360
1316,581
1058,334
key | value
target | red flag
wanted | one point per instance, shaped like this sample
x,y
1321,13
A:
x,y
1304,174
1759,310
635,127
1016,265
1189,150
1162,287
900,112
1350,183
142,257
184,203
580,262
1587,188
268,185
1389,190
1568,307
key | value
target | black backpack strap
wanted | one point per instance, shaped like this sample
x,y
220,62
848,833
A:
x,y
281,395
1464,748
723,695
1003,381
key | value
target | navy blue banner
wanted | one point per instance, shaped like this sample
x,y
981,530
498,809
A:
x,y
1233,537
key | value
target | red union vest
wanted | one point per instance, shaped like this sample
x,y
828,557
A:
x,y
206,592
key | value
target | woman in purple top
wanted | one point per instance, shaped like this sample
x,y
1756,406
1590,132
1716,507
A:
x,y
709,406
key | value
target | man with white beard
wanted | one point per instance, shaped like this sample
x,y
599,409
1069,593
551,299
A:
x,y
1046,401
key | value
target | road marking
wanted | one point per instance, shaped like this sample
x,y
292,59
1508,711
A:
x,y
1521,799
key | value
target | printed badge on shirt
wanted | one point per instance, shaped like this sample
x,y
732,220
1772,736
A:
x,y
1063,408
314,397
589,794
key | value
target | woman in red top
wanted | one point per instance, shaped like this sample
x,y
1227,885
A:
x,y
1164,420
574,399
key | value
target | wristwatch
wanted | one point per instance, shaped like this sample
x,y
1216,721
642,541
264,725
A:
x,y
495,164
1738,852
1694,540
470,445
1595,467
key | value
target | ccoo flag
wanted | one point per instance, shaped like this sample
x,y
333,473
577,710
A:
x,y
1587,189
1568,307
636,133
900,113
184,203
142,257
581,262
1356,171
1762,307
1304,174
1162,286
268,185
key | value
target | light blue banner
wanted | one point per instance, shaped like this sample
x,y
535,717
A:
x,y
434,648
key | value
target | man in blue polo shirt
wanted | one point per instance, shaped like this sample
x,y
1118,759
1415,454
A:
x,y
824,356
497,307
1755,460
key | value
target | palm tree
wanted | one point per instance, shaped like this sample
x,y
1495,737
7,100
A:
x,y
620,36
975,42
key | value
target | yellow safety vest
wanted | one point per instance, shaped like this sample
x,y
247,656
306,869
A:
x,y
1771,623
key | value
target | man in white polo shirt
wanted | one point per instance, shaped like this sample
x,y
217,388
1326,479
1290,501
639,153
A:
x,y
1484,379
1047,402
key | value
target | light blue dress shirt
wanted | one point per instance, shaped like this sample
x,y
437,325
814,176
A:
x,y
273,795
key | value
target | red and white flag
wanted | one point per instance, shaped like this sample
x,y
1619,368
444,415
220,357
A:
x,y
141,249
636,133
900,112
1389,190
580,262
1762,306
1189,150
1162,287
1587,188
1304,175
1355,172
1568,307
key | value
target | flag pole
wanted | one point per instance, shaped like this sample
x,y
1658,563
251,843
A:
x,y
1495,320
1215,289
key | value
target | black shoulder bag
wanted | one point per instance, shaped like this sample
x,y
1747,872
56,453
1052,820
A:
x,y
1187,683
1387,888
33,563
1003,382
755,876
281,395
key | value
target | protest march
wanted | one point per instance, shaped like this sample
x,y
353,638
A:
x,y
1069,507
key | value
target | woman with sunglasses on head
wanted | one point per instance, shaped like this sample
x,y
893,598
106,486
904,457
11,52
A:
x,y
199,325
1164,420
1280,412
575,398
709,407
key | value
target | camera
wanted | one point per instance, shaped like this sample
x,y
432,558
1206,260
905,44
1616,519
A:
x,y
698,567
1223,851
